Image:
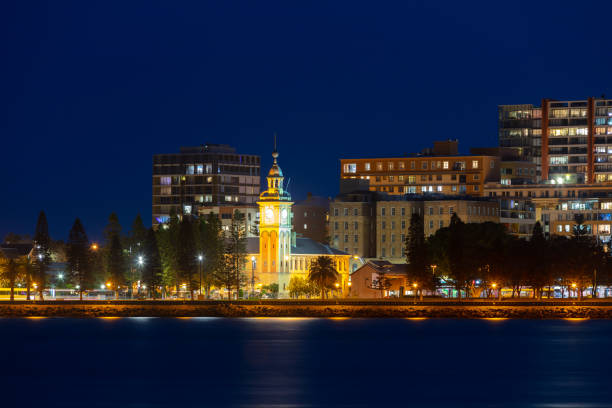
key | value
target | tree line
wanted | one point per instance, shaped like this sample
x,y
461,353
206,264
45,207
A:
x,y
181,255
477,257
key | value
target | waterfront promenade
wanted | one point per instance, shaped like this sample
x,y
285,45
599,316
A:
x,y
478,308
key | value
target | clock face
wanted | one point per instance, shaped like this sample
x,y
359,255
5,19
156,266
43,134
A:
x,y
284,215
269,214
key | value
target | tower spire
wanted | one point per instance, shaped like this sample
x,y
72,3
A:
x,y
275,152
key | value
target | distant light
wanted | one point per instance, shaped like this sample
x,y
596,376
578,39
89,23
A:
x,y
78,286
200,257
102,286
40,256
140,260
60,276
253,258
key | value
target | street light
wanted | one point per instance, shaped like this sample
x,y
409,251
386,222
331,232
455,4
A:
x,y
253,276
94,247
200,259
493,285
414,285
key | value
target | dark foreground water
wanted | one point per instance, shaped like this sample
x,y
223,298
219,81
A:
x,y
215,362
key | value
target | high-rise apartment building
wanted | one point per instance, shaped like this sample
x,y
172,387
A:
x,y
440,170
569,141
204,176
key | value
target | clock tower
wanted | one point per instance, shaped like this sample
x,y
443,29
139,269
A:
x,y
275,219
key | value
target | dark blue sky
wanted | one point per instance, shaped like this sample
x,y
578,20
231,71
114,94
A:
x,y
89,91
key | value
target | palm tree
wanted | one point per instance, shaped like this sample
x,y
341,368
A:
x,y
9,271
323,274
27,267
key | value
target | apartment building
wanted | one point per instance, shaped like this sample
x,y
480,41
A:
x,y
374,225
210,175
556,206
568,141
439,170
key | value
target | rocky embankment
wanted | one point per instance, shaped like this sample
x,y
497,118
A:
x,y
220,309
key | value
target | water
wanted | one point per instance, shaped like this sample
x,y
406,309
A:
x,y
216,362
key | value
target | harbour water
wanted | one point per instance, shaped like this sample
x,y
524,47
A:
x,y
286,362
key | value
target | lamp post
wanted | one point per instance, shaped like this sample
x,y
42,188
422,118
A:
x,y
493,286
200,259
415,285
253,276
140,263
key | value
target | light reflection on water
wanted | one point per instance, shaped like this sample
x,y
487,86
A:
x,y
307,362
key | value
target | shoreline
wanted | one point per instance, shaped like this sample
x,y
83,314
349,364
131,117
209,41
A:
x,y
600,310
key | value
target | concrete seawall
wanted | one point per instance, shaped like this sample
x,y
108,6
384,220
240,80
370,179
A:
x,y
599,310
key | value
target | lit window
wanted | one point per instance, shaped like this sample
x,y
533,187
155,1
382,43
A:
x,y
439,188
200,169
190,169
379,166
167,190
165,181
305,226
228,198
367,167
390,166
431,224
474,164
350,168
424,165
445,165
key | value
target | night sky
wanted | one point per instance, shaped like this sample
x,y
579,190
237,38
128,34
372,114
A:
x,y
89,91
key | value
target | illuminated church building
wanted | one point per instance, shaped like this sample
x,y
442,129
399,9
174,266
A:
x,y
278,254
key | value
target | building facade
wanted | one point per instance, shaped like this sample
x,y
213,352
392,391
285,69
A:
x,y
310,218
376,226
429,173
569,141
210,175
225,213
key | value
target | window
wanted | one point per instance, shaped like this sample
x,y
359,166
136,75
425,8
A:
x,y
403,224
401,165
305,226
190,169
228,198
356,238
390,165
383,212
451,210
392,251
392,237
355,225
424,165
379,166
392,224
345,225
166,190
345,238
439,189
350,168
441,224
335,212
355,212
403,211
476,188
393,211
474,164
366,166
431,224
477,176
400,178
383,238
336,225
346,212
200,169
390,178
412,165
445,165
440,210
431,210
165,181
454,188
384,253
383,225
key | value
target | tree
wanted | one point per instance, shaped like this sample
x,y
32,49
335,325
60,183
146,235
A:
x,y
42,252
186,255
152,270
113,228
212,246
78,257
457,261
115,264
381,283
29,273
9,272
167,239
299,286
323,274
236,254
417,255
